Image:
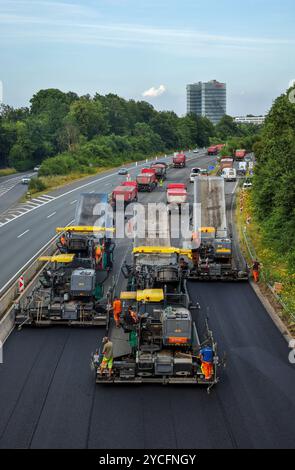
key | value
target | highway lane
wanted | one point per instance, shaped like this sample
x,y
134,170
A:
x,y
40,224
11,190
48,398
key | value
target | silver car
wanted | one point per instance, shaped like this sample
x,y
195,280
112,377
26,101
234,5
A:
x,y
26,180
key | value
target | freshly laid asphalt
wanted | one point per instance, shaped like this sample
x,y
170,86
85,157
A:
x,y
49,399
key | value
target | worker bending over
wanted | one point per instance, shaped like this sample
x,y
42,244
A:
x,y
132,315
108,356
255,270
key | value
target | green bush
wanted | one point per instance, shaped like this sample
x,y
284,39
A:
x,y
36,185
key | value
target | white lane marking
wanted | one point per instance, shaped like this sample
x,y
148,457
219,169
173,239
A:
x,y
73,202
235,187
43,198
38,200
50,215
22,234
30,260
43,203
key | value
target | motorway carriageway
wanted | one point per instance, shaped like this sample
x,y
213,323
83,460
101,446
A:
x,y
24,236
49,399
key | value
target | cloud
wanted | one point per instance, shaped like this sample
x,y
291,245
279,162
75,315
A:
x,y
154,92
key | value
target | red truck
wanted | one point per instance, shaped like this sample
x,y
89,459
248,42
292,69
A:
x,y
213,150
130,183
226,162
219,147
240,154
160,170
147,180
176,193
179,160
126,193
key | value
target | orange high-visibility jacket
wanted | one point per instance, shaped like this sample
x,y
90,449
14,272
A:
x,y
117,307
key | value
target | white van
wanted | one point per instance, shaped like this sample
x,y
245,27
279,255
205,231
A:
x,y
194,172
229,174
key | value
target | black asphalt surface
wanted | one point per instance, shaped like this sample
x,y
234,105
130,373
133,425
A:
x,y
49,399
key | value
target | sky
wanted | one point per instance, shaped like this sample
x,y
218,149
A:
x,y
148,49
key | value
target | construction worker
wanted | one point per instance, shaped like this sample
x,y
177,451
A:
x,y
108,356
98,254
255,270
117,310
62,240
161,182
133,315
183,264
206,356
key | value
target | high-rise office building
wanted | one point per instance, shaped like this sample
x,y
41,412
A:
x,y
207,99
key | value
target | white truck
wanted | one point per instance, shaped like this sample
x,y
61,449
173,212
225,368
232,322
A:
x,y
242,169
229,174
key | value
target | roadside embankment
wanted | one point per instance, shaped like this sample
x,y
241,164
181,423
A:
x,y
276,283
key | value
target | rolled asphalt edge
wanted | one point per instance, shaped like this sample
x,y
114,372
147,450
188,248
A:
x,y
272,313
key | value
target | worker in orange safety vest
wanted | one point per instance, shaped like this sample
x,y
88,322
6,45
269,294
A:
x,y
117,310
133,315
98,254
255,270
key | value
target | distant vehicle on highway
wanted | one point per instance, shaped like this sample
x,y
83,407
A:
x,y
229,174
160,162
196,151
26,180
194,172
247,184
123,171
203,172
37,168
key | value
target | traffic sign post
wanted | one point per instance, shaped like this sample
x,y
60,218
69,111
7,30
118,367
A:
x,y
21,284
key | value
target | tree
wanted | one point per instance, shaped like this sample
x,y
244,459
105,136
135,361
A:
x,y
89,117
164,124
226,128
274,188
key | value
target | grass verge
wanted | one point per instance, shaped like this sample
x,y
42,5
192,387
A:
x,y
7,171
274,266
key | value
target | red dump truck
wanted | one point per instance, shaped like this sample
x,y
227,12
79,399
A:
x,y
219,147
130,183
147,180
160,169
126,193
240,154
226,162
179,160
176,193
213,150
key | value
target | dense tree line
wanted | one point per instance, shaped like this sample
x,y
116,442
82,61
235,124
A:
x,y
64,132
274,180
236,136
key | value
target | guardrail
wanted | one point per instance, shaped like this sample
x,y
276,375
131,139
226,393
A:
x,y
12,294
252,253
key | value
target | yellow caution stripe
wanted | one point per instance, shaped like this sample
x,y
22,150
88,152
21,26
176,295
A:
x,y
147,295
84,229
162,250
66,258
